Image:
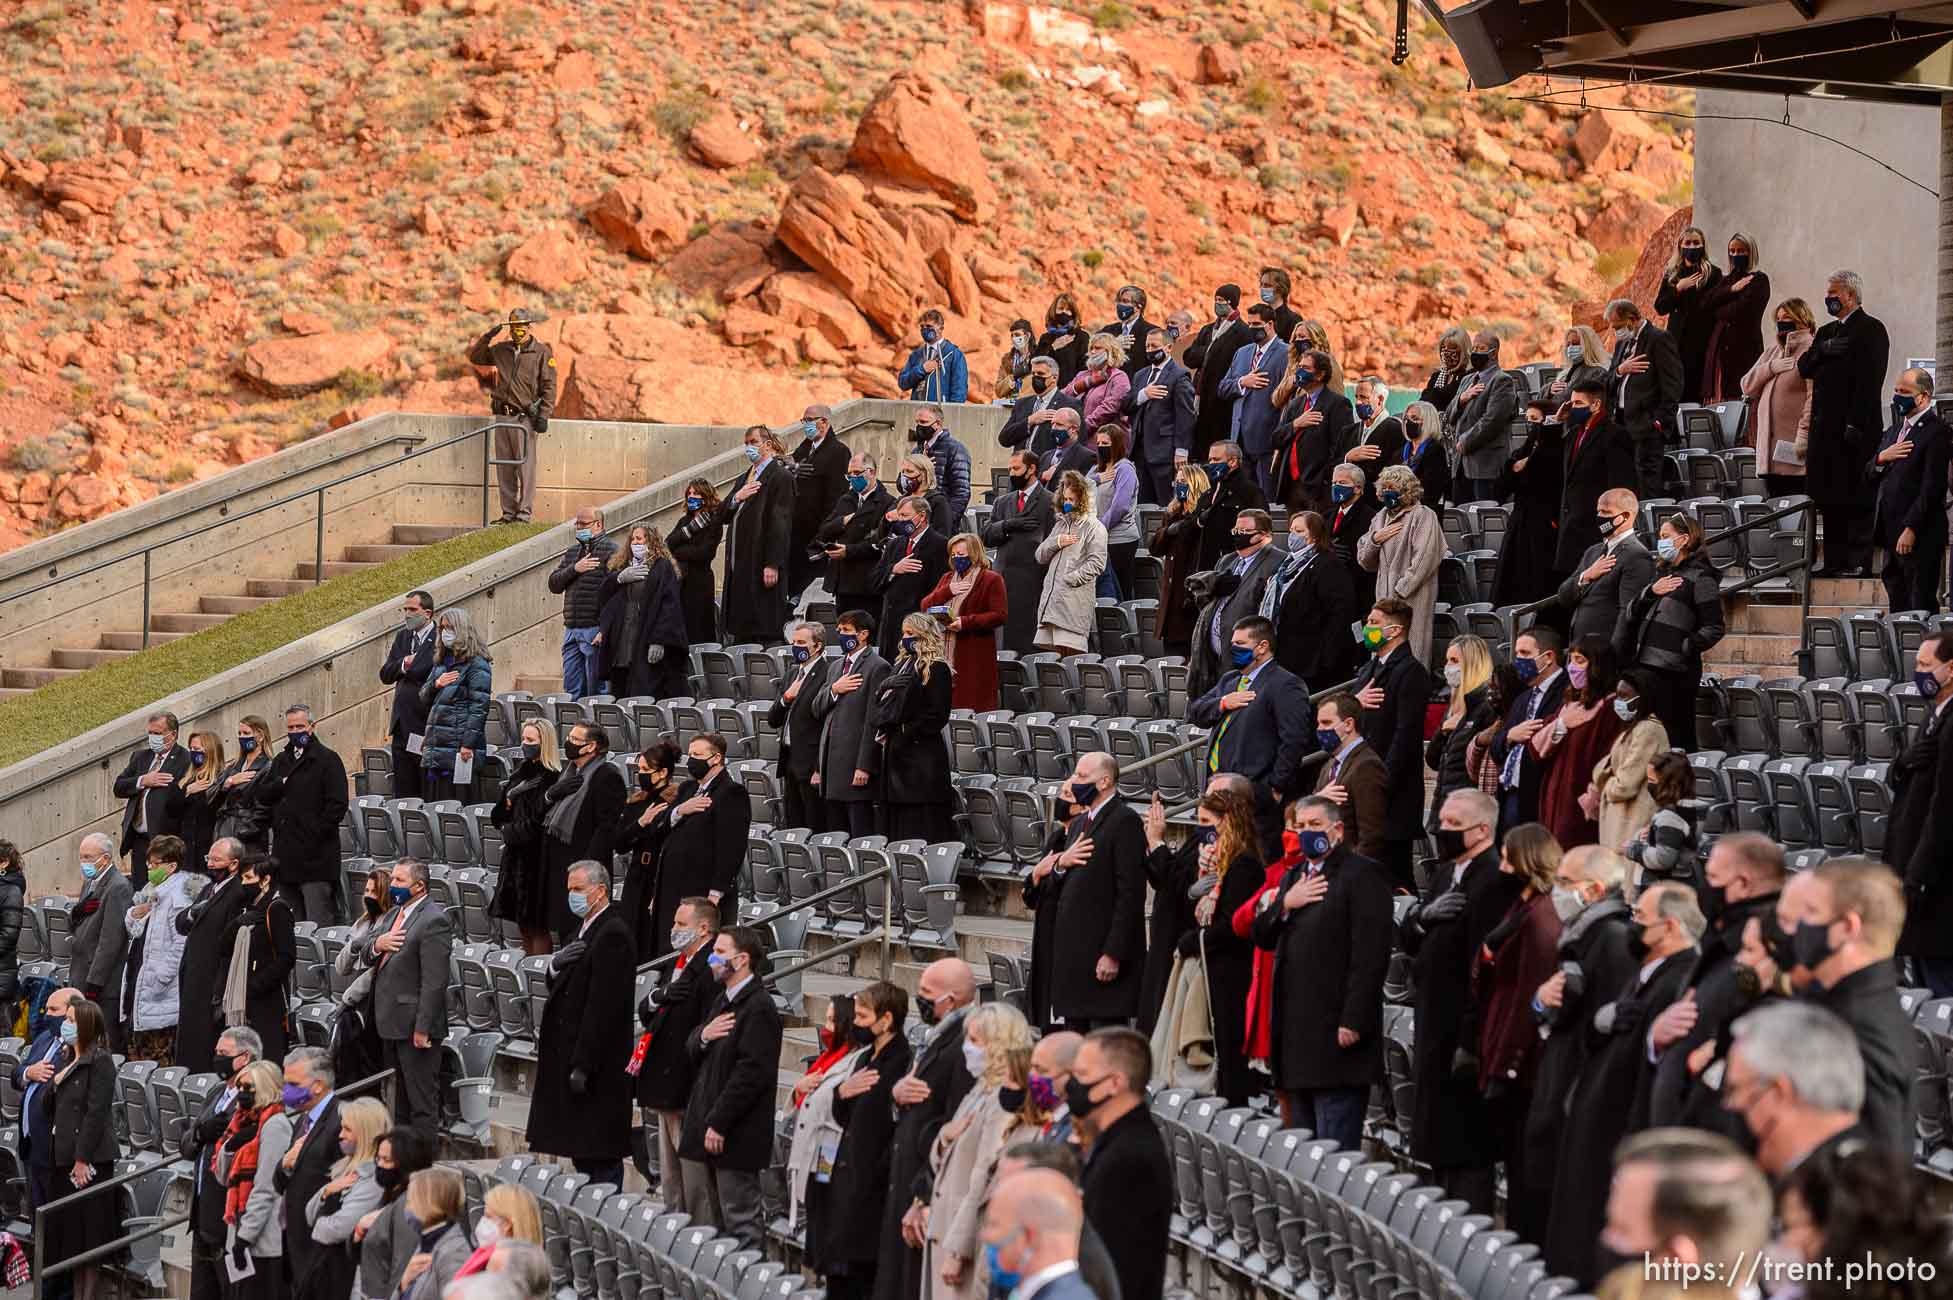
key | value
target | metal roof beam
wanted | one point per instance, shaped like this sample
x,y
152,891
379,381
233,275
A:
x,y
1729,24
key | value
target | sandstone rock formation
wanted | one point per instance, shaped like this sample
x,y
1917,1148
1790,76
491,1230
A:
x,y
293,367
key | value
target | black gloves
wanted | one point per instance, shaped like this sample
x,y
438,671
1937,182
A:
x,y
1464,1068
1190,944
579,1083
1447,906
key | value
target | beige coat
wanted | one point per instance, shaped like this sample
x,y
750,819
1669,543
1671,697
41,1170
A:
x,y
1071,576
1407,567
1626,807
1780,403
965,1163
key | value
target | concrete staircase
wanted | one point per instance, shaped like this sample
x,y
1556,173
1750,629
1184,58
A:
x,y
213,609
1764,635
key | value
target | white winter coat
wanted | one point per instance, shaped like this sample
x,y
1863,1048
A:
x,y
162,951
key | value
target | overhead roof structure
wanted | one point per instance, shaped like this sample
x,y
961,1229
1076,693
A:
x,y
1898,51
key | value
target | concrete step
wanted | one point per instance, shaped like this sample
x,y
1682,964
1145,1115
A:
x,y
1852,593
538,685
333,569
185,622
32,679
229,605
133,640
272,588
426,534
8,692
87,658
378,553
1778,619
1757,651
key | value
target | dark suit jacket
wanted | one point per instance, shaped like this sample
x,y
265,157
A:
x,y
1330,961
800,732
308,796
737,1078
84,1105
1846,366
197,1145
1242,592
847,736
1210,355
859,1189
820,474
1101,912
409,715
1309,454
1018,431
1478,427
902,593
940,1065
1645,403
200,974
1134,339
1366,810
1013,536
1215,513
1266,741
705,850
37,1121
1599,607
586,1031
851,577
1531,767
1128,1189
669,1014
1603,459
1347,525
1312,638
164,807
318,1153
1868,1001
1919,838
1912,490
1166,425
1395,729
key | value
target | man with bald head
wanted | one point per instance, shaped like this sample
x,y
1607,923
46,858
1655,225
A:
x,y
1128,1181
924,1099
1614,570
1051,1062
37,1066
1908,477
1068,453
1088,946
1030,1234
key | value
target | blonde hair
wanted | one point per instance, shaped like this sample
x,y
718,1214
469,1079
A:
x,y
265,1081
517,1205
978,556
654,548
437,1191
1195,477
1004,1030
924,470
928,634
213,757
1475,664
1800,311
262,729
1675,258
1073,484
1590,353
549,757
368,1119
1401,478
1110,344
1456,335
1748,241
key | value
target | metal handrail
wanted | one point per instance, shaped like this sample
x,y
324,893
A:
x,y
317,493
887,935
119,1244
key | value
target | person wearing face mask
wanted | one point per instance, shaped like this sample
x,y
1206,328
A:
x,y
1232,867
1115,488
948,457
357,1051
1236,591
669,1013
98,921
1271,291
1645,380
524,393
1259,718
520,814
1353,778
913,560
1131,329
1906,476
1837,929
510,1215
1467,674
1310,601
156,951
458,695
1073,452
1352,507
580,816
759,541
791,715
851,536
39,1061
1094,975
1128,1182
1916,839
388,1237
1176,542
1464,898
936,370
1478,417
910,711
1032,1239
1014,529
1160,409
1575,740
1394,688
915,476
1798,1081
1074,555
1611,573
728,1132
1211,357
925,1098
579,578
641,637
1064,339
1780,401
198,1144
306,790
1231,489
836,1044
1733,310
1254,423
409,661
148,784
409,950
1674,621
1316,430
1029,426
1379,434
1454,345
1536,655
1172,872
252,1150
964,1156
820,470
706,845
258,950
1678,1196
694,542
1665,926
1014,366
238,813
196,794
972,603
1535,483
583,1094
1665,847
1103,385
1597,457
353,1193
1686,283
1403,548
206,958
1625,798
849,759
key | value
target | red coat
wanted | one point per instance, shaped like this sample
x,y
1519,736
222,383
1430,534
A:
x,y
975,663
1261,991
1504,982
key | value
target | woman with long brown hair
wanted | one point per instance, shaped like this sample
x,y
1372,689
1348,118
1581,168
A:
x,y
641,624
1231,859
1064,339
197,790
693,542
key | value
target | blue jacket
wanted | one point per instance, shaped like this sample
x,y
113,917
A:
x,y
1266,739
37,1113
457,714
1252,426
950,383
952,463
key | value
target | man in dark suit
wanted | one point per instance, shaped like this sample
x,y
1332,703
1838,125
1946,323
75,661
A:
x,y
1128,1182
1316,429
1466,896
37,1068
1210,356
1231,489
759,517
1354,778
306,788
1644,383
669,1014
820,477
1160,407
792,715
728,1136
409,659
1908,477
1070,453
852,534
914,560
1919,836
409,953
1536,653
582,1103
1101,912
1843,921
849,758
1240,579
580,816
706,845
1394,688
1796,1079
1479,417
1019,520
1349,514
1845,364
206,925
925,1098
237,1049
1597,457
1030,426
1131,328
1254,371
315,1133
1259,715
149,782
1612,572
1329,925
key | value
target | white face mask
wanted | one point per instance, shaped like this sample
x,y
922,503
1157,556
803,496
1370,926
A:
x,y
1568,903
1453,674
973,1058
488,1231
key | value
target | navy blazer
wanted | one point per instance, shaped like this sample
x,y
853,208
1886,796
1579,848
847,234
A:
x,y
409,715
1911,491
1266,741
1164,425
37,1120
1252,425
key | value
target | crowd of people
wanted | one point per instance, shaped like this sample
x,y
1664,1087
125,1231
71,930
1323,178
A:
x,y
1647,1040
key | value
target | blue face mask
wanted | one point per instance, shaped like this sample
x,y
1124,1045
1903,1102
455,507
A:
x,y
1526,668
245,744
579,904
584,534
1084,793
1667,549
1390,498
1242,655
901,527
1315,844
1329,741
1926,684
400,894
1834,304
715,960
1341,493
157,744
752,453
930,334
908,645
1216,470
1574,352
1002,1280
960,563
1268,296
1364,410
1066,507
1179,491
809,429
693,503
89,871
68,1032
801,654
857,482
1209,835
196,756
300,739
850,643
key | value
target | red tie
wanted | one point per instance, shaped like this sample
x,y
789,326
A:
x,y
1020,500
911,551
1340,512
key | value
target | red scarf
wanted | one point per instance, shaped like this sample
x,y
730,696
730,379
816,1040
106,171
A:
x,y
1261,986
244,1163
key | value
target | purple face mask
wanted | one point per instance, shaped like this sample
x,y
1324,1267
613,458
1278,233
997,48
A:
x,y
1044,1093
296,1096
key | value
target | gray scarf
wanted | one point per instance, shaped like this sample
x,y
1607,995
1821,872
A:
x,y
568,801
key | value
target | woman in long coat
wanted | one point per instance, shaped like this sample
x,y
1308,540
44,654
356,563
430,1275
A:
x,y
1535,480
1735,308
642,615
1403,548
910,713
239,814
975,604
1232,851
1780,400
1074,554
1575,740
1467,712
694,541
265,921
586,1030
759,540
641,832
1176,542
457,695
844,1214
519,814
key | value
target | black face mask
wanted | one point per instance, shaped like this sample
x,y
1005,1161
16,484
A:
x,y
388,1179
1011,1099
1713,900
647,783
1105,455
1078,1098
232,1064
1241,541
1451,844
372,905
1637,943
1039,382
861,1035
532,751
1157,356
925,1010
1020,481
698,767
1480,360
923,432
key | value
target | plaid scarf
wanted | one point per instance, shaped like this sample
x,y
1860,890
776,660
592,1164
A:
x,y
244,1161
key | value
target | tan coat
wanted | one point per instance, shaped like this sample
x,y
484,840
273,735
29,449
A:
x,y
1407,567
965,1163
1621,777
1071,577
1780,403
